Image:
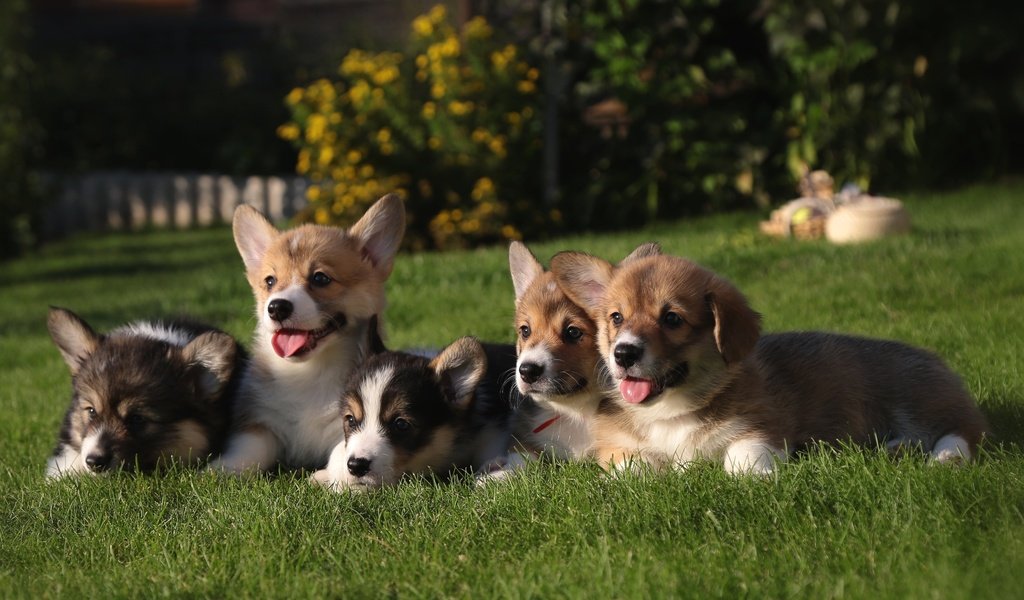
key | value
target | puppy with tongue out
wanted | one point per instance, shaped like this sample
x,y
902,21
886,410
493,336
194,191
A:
x,y
670,333
698,380
316,289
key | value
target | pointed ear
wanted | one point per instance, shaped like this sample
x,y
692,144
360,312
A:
x,y
737,326
375,344
584,279
643,251
213,354
460,367
253,235
73,337
380,231
524,266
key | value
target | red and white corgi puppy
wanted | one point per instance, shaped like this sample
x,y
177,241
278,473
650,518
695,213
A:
x,y
316,289
559,371
147,394
699,381
405,414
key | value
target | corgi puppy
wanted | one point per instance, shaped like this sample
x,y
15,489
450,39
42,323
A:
x,y
406,414
559,372
698,380
145,394
316,289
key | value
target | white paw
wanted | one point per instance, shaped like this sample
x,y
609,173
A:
x,y
752,457
500,468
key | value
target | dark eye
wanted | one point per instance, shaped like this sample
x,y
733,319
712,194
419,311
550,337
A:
x,y
672,319
270,281
573,333
616,319
400,424
90,412
350,421
524,331
320,279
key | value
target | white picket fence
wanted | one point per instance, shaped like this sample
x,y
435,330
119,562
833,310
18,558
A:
x,y
115,200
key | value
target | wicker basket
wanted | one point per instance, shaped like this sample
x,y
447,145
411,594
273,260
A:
x,y
811,229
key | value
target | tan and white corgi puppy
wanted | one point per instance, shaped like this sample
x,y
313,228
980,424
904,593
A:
x,y
559,371
698,380
406,414
316,289
147,394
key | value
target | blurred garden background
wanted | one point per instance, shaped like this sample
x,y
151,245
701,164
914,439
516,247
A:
x,y
496,119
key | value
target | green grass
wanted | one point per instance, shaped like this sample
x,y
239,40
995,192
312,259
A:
x,y
831,524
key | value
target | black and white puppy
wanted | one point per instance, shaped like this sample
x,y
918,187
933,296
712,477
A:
x,y
406,414
145,394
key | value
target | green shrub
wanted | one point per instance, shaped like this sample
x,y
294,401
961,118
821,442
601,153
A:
x,y
852,92
697,86
451,123
18,132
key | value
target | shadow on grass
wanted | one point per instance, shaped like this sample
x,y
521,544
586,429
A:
x,y
1006,417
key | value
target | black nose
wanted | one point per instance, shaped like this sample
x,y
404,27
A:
x,y
627,355
98,462
358,466
279,309
530,372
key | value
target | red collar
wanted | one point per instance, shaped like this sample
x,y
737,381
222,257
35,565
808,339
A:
x,y
546,424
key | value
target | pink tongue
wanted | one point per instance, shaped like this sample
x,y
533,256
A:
x,y
634,390
288,342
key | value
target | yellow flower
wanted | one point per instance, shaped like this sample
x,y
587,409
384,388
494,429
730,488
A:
x,y
294,96
334,118
384,135
385,76
302,167
477,28
289,131
484,187
458,108
422,26
532,74
315,127
480,135
450,47
513,118
387,149
526,87
366,171
422,61
359,92
321,216
434,142
326,156
497,146
313,193
510,233
437,14
437,90
429,110
499,61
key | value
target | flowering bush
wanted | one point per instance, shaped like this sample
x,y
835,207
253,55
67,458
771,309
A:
x,y
452,125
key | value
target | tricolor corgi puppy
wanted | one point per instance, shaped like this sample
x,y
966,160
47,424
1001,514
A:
x,y
406,414
559,371
698,380
145,394
316,289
